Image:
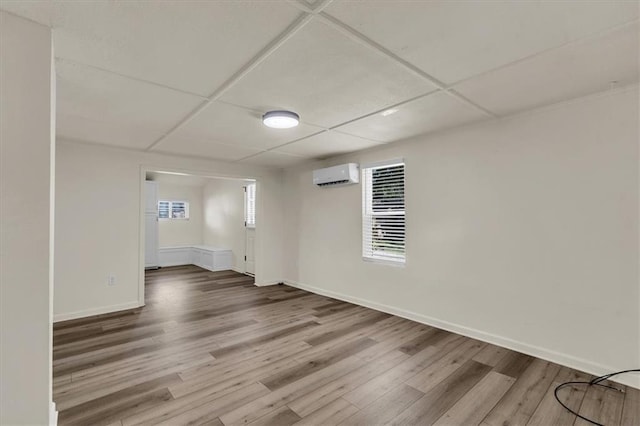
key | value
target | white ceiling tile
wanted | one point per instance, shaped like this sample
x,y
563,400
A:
x,y
454,40
273,159
193,45
568,72
326,144
85,129
84,92
203,148
232,125
427,114
326,78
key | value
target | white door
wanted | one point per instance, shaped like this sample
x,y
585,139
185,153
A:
x,y
249,227
151,240
150,197
249,251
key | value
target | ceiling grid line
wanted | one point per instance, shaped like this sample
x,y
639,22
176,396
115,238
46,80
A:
x,y
129,77
570,43
366,41
255,61
289,32
336,127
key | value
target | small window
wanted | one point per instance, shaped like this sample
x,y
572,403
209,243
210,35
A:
x,y
173,209
250,206
383,212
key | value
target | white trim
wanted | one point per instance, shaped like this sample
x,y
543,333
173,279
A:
x,y
141,234
268,283
383,163
96,311
174,256
537,351
388,262
222,259
53,414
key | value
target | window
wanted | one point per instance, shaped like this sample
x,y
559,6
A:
x,y
250,206
173,209
383,214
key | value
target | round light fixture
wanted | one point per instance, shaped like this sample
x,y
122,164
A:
x,y
280,119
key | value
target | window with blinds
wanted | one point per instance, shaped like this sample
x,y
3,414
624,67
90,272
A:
x,y
250,206
383,212
173,209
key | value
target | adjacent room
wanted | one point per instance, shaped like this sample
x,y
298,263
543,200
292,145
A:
x,y
320,212
209,222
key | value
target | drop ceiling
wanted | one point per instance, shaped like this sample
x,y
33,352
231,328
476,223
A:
x,y
193,78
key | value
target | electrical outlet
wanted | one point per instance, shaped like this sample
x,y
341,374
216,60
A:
x,y
111,280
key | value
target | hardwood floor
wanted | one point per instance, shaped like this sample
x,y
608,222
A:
x,y
211,348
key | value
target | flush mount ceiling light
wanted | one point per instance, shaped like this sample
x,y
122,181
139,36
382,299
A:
x,y
281,119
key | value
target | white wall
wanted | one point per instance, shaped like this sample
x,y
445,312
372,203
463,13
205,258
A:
x,y
98,219
224,217
27,112
181,232
522,231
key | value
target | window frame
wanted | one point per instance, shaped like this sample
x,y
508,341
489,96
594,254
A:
x,y
369,213
170,210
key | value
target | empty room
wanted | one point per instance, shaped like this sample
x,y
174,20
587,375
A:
x,y
320,212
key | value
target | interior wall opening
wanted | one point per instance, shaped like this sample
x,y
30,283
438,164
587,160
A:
x,y
192,219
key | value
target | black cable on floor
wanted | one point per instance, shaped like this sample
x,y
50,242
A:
x,y
594,382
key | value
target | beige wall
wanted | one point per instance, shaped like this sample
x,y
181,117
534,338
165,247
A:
x,y
98,219
522,231
224,217
181,232
27,93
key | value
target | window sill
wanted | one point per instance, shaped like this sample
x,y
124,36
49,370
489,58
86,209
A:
x,y
396,263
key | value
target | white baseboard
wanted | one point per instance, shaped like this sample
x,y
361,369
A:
x,y
53,414
264,284
570,361
95,311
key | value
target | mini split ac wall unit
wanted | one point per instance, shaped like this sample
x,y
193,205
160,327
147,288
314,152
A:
x,y
344,174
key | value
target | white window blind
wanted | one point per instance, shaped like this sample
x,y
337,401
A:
x,y
250,206
173,209
164,209
383,212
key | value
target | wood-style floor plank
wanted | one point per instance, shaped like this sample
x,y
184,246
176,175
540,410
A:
x,y
326,394
210,348
385,408
602,405
428,409
331,414
631,409
522,399
549,412
476,404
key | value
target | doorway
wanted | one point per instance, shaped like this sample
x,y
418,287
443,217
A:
x,y
194,219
